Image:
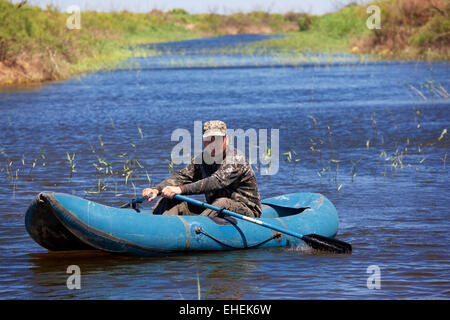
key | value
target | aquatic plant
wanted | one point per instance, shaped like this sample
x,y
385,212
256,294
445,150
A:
x,y
140,132
170,165
70,160
41,155
199,292
444,160
443,133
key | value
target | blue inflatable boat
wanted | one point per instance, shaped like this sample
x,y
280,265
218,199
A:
x,y
59,221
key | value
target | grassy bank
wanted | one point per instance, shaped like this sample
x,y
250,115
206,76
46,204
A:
x,y
36,45
410,29
327,33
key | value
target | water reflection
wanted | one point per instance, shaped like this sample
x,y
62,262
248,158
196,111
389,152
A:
x,y
221,275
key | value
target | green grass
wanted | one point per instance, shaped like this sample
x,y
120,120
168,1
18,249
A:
x,y
33,34
305,41
327,33
411,29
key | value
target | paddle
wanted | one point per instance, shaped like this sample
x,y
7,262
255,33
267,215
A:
x,y
315,241
133,203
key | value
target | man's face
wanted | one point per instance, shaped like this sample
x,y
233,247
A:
x,y
215,145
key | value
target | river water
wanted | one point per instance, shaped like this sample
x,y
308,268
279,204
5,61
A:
x,y
370,136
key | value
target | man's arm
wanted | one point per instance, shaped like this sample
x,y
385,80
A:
x,y
220,179
187,175
179,178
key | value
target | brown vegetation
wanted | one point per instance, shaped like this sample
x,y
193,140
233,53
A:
x,y
257,22
410,29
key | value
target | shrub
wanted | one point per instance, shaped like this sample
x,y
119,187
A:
x,y
304,23
179,11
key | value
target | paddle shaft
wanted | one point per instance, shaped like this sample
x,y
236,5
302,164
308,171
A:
x,y
237,215
313,240
229,213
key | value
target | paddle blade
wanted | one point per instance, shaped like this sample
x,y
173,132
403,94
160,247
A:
x,y
327,244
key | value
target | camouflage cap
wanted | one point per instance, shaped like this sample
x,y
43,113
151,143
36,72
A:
x,y
214,128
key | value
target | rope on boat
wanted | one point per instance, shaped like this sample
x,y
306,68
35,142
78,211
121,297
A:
x,y
274,236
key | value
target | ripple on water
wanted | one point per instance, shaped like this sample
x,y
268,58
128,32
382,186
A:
x,y
397,219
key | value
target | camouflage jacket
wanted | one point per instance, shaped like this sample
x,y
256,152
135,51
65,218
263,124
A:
x,y
232,178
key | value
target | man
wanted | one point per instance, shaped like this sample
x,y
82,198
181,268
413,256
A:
x,y
227,182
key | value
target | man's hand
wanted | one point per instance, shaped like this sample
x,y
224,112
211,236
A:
x,y
169,192
150,194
